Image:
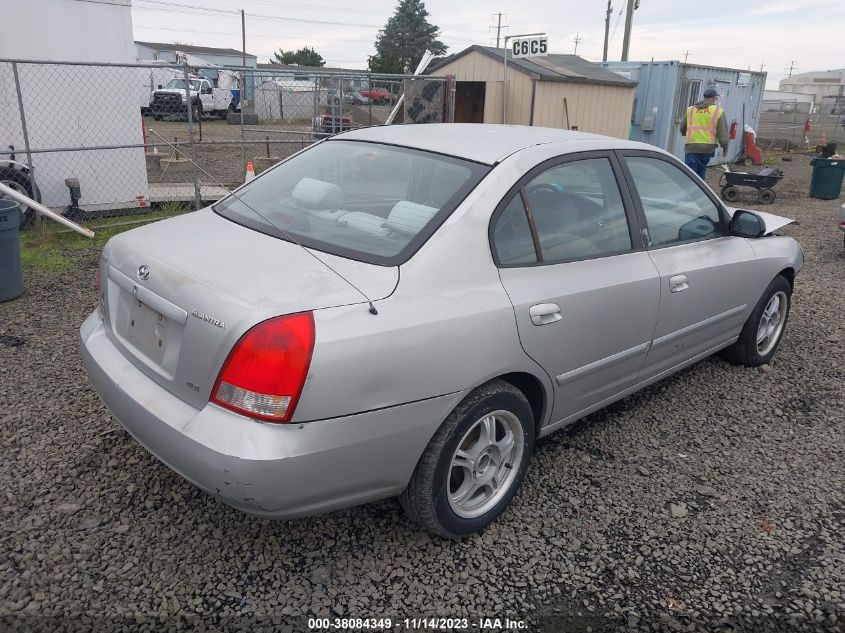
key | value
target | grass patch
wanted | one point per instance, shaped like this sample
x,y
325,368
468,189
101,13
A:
x,y
52,247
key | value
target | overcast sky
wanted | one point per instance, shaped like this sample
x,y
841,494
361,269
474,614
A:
x,y
770,32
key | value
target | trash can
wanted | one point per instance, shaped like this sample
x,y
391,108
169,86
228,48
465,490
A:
x,y
826,182
11,280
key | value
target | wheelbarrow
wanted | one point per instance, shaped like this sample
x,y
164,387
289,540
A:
x,y
762,181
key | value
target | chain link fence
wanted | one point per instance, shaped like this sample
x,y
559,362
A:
x,y
796,125
95,140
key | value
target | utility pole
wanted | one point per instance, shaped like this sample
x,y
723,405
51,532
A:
x,y
686,56
498,27
243,38
791,68
498,30
762,66
607,29
577,40
629,21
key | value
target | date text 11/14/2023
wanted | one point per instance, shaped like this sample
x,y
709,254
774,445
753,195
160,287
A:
x,y
416,624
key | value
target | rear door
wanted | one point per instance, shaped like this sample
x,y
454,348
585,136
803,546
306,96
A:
x,y
585,293
705,273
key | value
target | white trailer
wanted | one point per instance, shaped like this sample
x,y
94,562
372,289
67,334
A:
x,y
82,115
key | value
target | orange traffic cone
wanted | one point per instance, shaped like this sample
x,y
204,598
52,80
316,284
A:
x,y
250,172
824,138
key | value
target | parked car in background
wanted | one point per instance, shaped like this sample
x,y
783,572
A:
x,y
378,96
355,98
404,310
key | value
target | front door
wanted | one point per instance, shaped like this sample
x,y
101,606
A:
x,y
705,273
469,102
585,298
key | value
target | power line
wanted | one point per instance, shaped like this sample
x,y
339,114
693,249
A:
x,y
618,17
273,36
252,15
311,7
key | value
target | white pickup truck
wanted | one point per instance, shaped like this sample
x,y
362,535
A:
x,y
172,100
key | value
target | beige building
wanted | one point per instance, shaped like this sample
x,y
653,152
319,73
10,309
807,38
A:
x,y
562,91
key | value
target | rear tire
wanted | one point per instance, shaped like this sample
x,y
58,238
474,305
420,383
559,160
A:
x,y
455,492
763,331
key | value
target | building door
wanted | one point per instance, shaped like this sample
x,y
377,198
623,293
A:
x,y
469,102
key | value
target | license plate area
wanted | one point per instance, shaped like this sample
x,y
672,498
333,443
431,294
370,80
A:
x,y
144,332
147,331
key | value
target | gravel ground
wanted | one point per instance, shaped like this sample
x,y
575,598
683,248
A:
x,y
711,501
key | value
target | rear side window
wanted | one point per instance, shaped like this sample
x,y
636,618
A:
x,y
675,207
512,235
366,201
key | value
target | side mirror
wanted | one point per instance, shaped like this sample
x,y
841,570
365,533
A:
x,y
747,224
159,87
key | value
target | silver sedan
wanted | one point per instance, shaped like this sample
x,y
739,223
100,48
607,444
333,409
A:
x,y
404,310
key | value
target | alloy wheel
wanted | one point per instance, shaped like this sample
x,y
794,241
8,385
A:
x,y
485,463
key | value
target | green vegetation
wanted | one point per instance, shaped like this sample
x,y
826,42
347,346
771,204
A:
x,y
51,247
302,57
403,41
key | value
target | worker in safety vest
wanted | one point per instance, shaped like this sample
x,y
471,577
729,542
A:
x,y
706,129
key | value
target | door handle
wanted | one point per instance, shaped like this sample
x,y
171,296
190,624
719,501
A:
x,y
544,313
678,283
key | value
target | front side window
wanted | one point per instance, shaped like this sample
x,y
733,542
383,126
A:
x,y
367,201
676,209
578,211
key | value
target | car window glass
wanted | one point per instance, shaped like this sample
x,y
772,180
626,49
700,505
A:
x,y
362,199
578,211
675,207
512,235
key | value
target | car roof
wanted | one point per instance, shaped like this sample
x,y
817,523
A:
x,y
482,143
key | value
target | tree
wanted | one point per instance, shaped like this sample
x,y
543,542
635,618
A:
x,y
303,57
403,41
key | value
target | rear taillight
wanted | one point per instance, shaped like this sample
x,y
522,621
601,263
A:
x,y
263,376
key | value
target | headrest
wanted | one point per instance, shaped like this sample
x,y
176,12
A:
x,y
409,217
317,194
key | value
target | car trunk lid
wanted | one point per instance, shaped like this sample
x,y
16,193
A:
x,y
178,294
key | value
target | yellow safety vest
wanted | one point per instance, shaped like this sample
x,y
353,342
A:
x,y
701,124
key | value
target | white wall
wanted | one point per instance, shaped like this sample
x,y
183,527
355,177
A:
x,y
74,106
67,30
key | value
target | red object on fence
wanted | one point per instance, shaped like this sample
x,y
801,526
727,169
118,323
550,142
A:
x,y
808,127
733,129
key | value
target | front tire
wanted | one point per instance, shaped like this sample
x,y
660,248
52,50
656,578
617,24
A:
x,y
764,329
474,464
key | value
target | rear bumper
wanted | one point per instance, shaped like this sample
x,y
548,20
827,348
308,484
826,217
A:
x,y
269,470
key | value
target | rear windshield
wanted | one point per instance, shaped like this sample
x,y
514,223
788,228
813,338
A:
x,y
366,201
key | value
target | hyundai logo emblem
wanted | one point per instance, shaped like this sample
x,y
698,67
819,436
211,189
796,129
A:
x,y
143,272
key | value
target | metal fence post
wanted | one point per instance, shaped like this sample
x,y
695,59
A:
x,y
316,111
25,133
190,108
243,137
